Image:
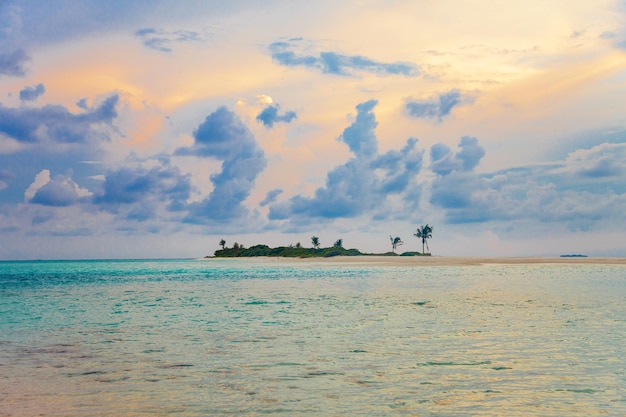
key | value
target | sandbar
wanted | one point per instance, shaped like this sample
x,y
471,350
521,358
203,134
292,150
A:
x,y
443,260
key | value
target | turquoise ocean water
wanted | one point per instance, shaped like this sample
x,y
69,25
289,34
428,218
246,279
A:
x,y
264,337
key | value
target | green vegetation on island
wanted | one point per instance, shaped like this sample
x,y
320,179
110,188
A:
x,y
238,251
298,251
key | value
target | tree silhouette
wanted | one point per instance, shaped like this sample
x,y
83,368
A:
x,y
223,244
339,243
395,242
424,233
315,241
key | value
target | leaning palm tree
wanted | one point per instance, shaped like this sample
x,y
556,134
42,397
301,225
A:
x,y
315,241
424,233
395,242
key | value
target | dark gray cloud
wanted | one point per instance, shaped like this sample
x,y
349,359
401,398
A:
x,y
364,183
270,197
345,194
360,136
270,115
56,123
456,183
32,93
579,192
162,40
138,192
287,53
437,107
82,103
444,161
400,167
509,197
454,191
14,63
223,136
470,152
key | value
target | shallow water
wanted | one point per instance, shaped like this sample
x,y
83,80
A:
x,y
256,337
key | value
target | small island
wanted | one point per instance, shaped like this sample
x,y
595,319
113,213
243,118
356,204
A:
x,y
298,251
238,251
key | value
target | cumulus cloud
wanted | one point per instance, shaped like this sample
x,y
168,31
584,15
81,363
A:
x,y
444,160
138,192
361,136
32,93
456,185
287,53
580,191
514,198
270,115
14,63
162,40
365,182
57,124
438,107
224,137
400,167
60,191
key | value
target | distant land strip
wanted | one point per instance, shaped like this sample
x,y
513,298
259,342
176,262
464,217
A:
x,y
238,251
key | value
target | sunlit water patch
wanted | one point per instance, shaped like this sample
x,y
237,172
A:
x,y
245,337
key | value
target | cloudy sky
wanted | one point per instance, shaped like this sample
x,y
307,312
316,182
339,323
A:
x,y
157,128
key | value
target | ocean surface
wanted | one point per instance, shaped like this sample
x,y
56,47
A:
x,y
267,337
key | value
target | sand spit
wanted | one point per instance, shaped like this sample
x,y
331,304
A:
x,y
442,260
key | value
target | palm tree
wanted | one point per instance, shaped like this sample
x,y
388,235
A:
x,y
424,232
395,242
223,244
315,241
339,243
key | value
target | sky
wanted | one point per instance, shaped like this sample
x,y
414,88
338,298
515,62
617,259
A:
x,y
153,129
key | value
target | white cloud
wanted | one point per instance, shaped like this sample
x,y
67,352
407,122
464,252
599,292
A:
x,y
41,179
59,191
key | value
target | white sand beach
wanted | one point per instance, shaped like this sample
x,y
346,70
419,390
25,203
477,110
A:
x,y
446,261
